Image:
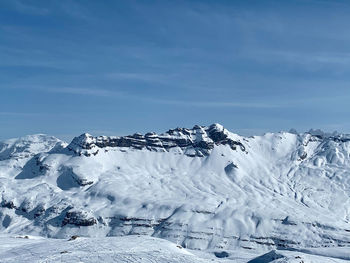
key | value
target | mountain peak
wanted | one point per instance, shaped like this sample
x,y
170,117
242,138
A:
x,y
216,126
27,146
198,141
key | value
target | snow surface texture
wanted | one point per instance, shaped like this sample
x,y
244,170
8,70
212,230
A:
x,y
203,188
145,249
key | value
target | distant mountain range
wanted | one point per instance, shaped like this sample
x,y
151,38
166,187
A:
x,y
203,188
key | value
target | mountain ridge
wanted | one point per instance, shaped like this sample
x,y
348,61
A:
x,y
200,138
204,188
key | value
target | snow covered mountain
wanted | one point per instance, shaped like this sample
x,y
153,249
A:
x,y
202,188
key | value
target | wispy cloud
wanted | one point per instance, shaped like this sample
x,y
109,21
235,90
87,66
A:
x,y
123,95
75,10
69,8
308,57
20,114
25,7
256,104
267,104
147,77
212,104
83,91
193,103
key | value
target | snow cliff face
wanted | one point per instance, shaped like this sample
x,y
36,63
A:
x,y
203,188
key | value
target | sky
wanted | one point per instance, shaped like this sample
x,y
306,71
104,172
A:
x,y
116,67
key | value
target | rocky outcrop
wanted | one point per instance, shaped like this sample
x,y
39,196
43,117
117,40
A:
x,y
195,142
78,218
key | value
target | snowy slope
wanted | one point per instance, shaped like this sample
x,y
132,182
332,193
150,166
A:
x,y
127,249
203,188
144,249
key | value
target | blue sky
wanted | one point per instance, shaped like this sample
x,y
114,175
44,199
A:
x,y
117,67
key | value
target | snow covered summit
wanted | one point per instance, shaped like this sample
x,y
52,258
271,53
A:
x,y
204,188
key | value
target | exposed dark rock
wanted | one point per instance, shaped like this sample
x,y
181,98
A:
x,y
287,221
8,204
38,211
303,156
200,139
222,254
82,181
78,218
268,257
73,238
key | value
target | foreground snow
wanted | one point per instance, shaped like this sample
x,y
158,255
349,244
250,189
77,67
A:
x,y
141,249
113,249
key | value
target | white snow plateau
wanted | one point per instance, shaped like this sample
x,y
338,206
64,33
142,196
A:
x,y
215,195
